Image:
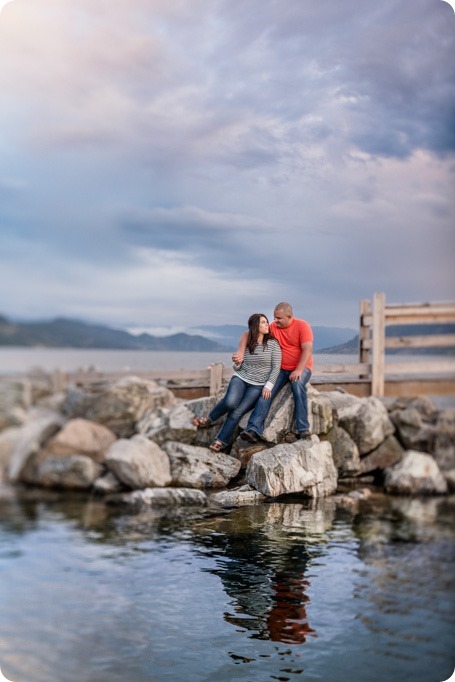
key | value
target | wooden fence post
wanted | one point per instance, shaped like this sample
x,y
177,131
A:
x,y
378,351
364,333
216,378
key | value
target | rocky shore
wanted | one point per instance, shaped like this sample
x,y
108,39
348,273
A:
x,y
132,441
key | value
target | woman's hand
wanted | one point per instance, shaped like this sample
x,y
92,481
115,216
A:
x,y
266,393
237,359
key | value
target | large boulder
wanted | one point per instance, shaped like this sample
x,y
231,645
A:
x,y
198,467
416,473
367,422
413,432
119,405
303,467
138,463
81,437
75,471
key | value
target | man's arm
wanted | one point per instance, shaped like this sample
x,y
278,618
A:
x,y
307,351
239,354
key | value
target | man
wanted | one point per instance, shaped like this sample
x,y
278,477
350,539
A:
x,y
296,340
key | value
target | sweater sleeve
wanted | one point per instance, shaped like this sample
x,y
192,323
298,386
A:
x,y
276,364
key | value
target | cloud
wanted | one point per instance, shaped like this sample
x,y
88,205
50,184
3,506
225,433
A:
x,y
219,156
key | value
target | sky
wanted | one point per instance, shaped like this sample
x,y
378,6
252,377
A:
x,y
166,164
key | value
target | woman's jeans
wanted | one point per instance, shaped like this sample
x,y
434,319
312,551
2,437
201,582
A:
x,y
239,399
299,390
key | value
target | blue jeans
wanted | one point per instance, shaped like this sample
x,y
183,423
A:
x,y
299,390
238,400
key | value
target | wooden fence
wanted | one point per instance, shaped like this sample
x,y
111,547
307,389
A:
x,y
373,374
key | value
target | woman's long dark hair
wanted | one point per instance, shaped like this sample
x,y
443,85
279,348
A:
x,y
253,332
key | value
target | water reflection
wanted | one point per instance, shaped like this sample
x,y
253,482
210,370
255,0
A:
x,y
262,558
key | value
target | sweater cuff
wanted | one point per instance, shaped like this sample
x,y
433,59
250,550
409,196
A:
x,y
269,385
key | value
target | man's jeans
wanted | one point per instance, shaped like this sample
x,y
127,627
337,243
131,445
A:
x,y
239,399
260,412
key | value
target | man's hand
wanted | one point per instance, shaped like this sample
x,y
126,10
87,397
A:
x,y
296,375
266,393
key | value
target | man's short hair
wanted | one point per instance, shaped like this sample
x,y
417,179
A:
x,y
285,308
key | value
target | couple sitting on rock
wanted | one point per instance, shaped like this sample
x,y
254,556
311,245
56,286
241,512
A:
x,y
266,359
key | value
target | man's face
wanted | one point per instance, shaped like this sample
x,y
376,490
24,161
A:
x,y
281,319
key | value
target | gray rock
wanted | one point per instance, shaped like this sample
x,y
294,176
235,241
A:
x,y
119,405
197,467
416,473
138,463
237,497
107,484
412,431
444,446
75,471
160,498
303,467
345,451
367,422
389,453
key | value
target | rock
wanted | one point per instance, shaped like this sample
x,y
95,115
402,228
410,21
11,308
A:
x,y
197,467
417,473
138,463
444,445
243,450
345,451
389,453
29,439
107,484
81,437
367,422
8,439
237,497
412,431
450,479
119,405
303,467
160,497
75,471
424,406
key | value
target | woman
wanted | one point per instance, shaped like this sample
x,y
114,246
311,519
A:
x,y
254,376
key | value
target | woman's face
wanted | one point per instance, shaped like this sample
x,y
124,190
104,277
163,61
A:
x,y
263,325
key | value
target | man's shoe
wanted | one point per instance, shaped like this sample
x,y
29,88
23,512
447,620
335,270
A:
x,y
303,435
250,436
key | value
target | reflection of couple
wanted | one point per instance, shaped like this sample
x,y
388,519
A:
x,y
267,358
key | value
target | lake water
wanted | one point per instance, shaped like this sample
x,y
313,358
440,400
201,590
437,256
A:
x,y
16,359
269,592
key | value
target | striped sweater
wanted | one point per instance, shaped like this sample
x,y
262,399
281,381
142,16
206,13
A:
x,y
262,367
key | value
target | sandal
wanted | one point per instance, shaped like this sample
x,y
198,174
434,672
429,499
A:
x,y
202,422
217,446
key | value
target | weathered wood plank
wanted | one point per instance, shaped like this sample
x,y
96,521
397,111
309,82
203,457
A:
x,y
378,350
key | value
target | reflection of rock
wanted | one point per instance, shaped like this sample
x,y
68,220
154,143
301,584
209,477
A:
x,y
417,473
311,520
302,467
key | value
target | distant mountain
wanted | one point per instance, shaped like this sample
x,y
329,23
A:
x,y
352,346
65,333
228,335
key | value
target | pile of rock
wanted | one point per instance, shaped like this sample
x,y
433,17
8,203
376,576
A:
x,y
134,442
